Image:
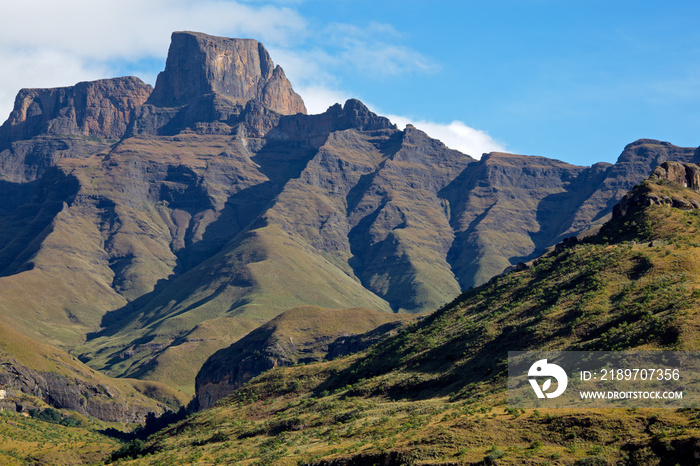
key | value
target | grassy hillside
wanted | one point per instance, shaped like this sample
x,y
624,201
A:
x,y
25,441
301,335
230,291
435,393
66,405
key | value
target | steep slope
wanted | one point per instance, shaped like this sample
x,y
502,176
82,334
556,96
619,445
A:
x,y
509,208
298,336
34,375
635,164
434,393
141,226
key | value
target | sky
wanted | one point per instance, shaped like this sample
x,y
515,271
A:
x,y
574,80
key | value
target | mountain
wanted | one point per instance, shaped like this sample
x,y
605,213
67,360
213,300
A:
x,y
144,229
435,393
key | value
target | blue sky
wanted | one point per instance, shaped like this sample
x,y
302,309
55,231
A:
x,y
572,80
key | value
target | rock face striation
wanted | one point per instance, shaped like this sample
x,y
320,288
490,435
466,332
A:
x,y
212,83
89,399
49,124
165,224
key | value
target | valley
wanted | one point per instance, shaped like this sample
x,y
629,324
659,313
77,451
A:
x,y
319,288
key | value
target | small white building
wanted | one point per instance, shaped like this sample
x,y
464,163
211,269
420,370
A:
x,y
2,394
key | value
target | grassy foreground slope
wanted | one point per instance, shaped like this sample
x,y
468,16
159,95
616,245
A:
x,y
435,393
25,441
65,404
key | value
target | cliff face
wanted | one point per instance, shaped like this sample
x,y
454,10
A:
x,y
212,83
98,109
237,69
219,204
47,125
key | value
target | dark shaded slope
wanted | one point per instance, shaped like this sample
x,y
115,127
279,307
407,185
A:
x,y
24,229
510,208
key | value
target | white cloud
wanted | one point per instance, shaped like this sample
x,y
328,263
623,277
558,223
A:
x,y
319,98
306,68
41,68
455,135
130,29
372,50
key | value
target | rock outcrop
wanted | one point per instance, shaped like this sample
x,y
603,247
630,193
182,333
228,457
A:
x,y
678,175
301,335
90,399
34,374
684,174
210,83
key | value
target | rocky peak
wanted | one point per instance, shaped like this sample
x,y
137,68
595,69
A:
x,y
237,69
315,128
95,109
651,153
355,114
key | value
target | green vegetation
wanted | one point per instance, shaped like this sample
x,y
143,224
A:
x,y
300,335
436,391
42,440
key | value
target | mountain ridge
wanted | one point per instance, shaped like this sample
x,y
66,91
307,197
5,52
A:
x,y
215,211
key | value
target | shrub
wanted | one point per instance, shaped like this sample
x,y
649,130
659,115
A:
x,y
133,450
47,415
493,455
